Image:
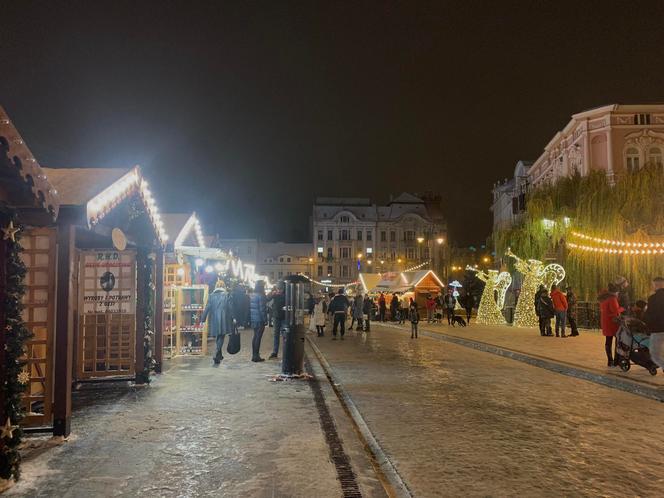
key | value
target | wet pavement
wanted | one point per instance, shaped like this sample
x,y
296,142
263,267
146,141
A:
x,y
196,431
460,422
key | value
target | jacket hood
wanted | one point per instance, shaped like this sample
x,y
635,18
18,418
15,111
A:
x,y
604,295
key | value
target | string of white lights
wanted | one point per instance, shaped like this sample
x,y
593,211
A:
x,y
613,250
619,243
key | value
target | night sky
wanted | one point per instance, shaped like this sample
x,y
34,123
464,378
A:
x,y
245,111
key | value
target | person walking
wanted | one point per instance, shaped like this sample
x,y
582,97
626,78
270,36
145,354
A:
x,y
545,312
219,311
510,305
571,311
414,320
431,308
320,310
654,320
258,317
278,299
382,307
469,304
240,306
339,309
450,302
367,309
609,311
394,307
358,311
560,309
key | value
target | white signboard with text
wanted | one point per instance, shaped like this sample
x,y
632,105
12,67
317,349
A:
x,y
108,281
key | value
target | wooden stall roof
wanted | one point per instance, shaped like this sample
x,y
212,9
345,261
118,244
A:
x,y
77,186
182,227
19,163
402,281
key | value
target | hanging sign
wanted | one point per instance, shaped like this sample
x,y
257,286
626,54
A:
x,y
108,281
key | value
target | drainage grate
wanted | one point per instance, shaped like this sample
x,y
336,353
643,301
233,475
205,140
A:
x,y
341,461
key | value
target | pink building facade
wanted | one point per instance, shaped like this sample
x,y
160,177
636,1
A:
x,y
616,139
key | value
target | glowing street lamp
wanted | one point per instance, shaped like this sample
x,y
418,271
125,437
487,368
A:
x,y
420,240
440,240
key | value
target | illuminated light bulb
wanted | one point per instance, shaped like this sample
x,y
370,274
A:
x,y
180,272
209,269
199,262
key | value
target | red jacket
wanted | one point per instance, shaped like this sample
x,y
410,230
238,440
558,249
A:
x,y
609,310
431,303
559,300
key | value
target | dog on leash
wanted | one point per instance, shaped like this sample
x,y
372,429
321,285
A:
x,y
458,320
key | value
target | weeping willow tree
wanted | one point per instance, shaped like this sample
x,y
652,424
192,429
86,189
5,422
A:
x,y
630,210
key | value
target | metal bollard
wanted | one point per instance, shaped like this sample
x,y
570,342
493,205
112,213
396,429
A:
x,y
293,332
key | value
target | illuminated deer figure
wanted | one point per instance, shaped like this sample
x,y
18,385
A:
x,y
488,312
534,274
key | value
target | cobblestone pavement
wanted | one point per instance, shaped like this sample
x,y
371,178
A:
x,y
196,431
459,422
585,351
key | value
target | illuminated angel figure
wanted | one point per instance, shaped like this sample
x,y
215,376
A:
x,y
488,312
552,274
503,282
524,314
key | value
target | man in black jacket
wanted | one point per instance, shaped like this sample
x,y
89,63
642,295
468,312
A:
x,y
339,310
654,314
278,316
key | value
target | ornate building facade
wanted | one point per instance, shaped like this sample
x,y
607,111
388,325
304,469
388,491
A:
x,y
353,235
616,139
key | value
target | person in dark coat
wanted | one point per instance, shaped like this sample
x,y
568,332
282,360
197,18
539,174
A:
x,y
240,306
469,304
258,318
339,309
622,285
414,316
571,311
382,307
278,300
367,309
545,311
394,307
219,310
358,311
654,314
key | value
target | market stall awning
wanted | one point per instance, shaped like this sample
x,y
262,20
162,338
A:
x,y
100,190
369,281
400,281
23,183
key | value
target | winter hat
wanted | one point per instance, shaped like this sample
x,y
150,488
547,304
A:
x,y
620,280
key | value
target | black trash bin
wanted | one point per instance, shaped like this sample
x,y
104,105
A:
x,y
294,329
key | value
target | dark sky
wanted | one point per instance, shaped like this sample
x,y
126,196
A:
x,y
244,111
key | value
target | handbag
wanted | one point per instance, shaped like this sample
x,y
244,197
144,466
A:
x,y
233,343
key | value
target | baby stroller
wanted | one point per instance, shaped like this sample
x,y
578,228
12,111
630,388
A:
x,y
633,343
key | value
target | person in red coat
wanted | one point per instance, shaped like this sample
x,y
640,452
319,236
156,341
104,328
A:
x,y
609,310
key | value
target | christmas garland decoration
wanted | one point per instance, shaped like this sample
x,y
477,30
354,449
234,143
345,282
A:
x,y
16,333
149,362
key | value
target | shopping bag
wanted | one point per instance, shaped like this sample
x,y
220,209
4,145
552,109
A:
x,y
233,343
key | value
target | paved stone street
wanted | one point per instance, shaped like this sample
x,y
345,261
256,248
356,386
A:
x,y
198,431
459,422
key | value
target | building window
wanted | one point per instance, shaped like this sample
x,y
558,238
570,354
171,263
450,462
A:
x,y
368,235
281,274
344,219
329,271
320,235
632,159
288,260
329,253
329,235
410,253
249,249
655,156
345,235
359,235
369,250
393,254
383,236
319,271
344,271
426,253
409,235
641,119
272,275
320,251
281,260
344,252
393,236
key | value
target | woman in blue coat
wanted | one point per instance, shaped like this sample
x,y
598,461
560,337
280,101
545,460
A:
x,y
219,310
258,318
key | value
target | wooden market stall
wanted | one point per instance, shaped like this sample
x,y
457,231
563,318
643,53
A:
x,y
417,284
108,295
184,301
28,208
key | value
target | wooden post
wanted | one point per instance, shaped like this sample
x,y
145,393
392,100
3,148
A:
x,y
3,323
64,331
159,310
141,278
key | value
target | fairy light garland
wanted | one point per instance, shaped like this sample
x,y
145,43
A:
x,y
619,243
191,224
614,250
